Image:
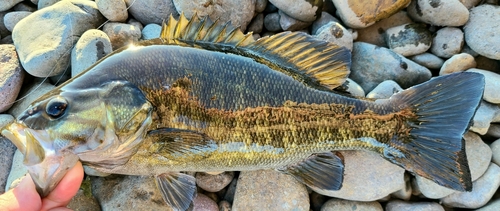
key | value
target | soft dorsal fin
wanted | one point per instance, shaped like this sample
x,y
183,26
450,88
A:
x,y
314,62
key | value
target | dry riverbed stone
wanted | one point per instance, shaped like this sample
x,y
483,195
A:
x,y
92,46
45,38
151,11
213,183
12,18
408,39
303,10
367,177
11,76
485,114
114,10
458,63
482,30
384,90
428,60
269,190
360,14
7,150
447,42
374,34
121,34
439,12
398,205
492,86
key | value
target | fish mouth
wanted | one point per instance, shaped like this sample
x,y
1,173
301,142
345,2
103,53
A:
x,y
46,165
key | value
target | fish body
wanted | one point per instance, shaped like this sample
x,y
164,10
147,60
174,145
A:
x,y
207,98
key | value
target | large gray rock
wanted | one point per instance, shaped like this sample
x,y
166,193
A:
x,y
478,157
127,193
481,32
367,177
269,190
239,12
45,38
92,46
304,10
372,64
339,204
11,76
482,191
151,11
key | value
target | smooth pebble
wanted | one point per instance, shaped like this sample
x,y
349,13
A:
x,y
481,32
151,11
397,205
151,31
408,39
447,42
492,85
113,10
439,12
11,76
374,34
213,183
361,15
428,60
303,10
12,18
384,90
121,34
457,63
93,45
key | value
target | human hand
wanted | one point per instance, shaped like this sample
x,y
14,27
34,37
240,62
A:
x,y
25,197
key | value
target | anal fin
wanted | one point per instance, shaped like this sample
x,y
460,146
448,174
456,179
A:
x,y
178,189
322,171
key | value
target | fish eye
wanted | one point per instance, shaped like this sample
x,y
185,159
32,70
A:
x,y
55,107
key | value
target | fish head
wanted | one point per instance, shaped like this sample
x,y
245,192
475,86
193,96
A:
x,y
101,126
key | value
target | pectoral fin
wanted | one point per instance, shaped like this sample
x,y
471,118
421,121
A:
x,y
323,171
177,189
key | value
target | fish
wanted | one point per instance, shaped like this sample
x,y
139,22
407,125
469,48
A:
x,y
206,97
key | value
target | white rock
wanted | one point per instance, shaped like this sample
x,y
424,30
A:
x,y
335,33
481,32
492,85
367,177
447,42
458,63
384,90
495,148
439,12
113,10
482,191
93,45
428,60
302,10
408,39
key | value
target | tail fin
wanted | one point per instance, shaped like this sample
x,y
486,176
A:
x,y
444,107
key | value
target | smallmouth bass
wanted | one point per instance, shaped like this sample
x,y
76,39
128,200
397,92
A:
x,y
206,97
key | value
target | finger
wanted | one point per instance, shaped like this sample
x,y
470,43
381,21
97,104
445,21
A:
x,y
22,197
65,190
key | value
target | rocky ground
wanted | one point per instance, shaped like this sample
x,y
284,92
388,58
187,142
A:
x,y
394,46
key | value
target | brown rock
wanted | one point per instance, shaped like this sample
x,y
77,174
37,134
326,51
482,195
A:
x,y
360,13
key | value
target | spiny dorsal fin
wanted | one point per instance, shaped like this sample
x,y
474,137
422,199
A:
x,y
314,62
